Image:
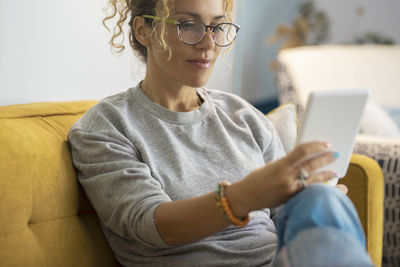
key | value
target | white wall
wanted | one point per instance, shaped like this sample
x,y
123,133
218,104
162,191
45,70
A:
x,y
259,19
53,50
380,17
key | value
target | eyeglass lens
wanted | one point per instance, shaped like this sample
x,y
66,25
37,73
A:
x,y
192,32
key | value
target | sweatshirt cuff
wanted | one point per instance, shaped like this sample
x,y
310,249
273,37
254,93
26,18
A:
x,y
149,233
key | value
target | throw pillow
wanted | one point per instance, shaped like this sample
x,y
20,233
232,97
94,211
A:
x,y
284,119
376,121
394,113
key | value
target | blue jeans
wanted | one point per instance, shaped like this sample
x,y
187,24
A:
x,y
319,227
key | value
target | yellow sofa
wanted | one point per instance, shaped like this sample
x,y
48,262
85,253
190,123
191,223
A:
x,y
45,218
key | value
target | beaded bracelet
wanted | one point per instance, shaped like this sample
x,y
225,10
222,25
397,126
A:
x,y
223,205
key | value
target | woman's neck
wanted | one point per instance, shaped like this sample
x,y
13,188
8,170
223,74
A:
x,y
178,98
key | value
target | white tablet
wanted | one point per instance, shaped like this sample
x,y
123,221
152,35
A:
x,y
334,116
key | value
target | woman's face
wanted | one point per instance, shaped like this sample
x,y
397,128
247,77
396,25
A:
x,y
190,65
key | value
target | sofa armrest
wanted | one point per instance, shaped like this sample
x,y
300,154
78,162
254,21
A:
x,y
386,151
364,179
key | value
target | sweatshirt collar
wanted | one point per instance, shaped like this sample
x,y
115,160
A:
x,y
171,116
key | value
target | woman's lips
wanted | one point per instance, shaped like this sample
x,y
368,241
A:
x,y
201,63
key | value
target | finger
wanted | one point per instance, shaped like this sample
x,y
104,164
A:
x,y
318,161
342,188
321,177
305,150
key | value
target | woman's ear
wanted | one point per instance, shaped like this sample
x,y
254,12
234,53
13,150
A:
x,y
142,31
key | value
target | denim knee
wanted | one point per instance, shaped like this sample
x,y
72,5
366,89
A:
x,y
320,206
321,197
321,192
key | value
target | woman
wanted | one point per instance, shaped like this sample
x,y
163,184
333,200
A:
x,y
153,159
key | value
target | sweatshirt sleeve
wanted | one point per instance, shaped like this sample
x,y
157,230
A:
x,y
267,137
275,149
119,186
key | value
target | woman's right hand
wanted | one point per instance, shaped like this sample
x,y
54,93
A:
x,y
276,182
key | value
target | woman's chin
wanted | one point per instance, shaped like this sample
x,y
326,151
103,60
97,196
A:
x,y
199,78
198,84
199,81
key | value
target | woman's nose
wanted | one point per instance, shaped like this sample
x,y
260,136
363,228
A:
x,y
208,40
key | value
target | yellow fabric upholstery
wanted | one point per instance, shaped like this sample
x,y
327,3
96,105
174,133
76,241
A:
x,y
364,179
45,218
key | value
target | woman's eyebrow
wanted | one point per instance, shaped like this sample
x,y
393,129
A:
x,y
197,16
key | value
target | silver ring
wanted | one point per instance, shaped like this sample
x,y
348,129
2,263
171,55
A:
x,y
303,175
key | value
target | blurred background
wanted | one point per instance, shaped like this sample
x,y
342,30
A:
x,y
53,50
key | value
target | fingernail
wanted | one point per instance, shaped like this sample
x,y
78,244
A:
x,y
327,145
336,154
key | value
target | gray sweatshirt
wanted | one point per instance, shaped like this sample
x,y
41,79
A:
x,y
132,155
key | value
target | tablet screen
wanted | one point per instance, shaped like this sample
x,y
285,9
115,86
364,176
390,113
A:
x,y
334,116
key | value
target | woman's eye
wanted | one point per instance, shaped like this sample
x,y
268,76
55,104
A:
x,y
188,26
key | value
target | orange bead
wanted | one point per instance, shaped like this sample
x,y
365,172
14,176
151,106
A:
x,y
223,204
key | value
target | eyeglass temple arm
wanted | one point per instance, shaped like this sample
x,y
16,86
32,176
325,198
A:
x,y
170,21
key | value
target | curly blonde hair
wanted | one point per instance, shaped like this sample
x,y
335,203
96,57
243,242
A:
x,y
122,10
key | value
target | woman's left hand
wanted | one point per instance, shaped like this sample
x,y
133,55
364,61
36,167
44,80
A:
x,y
342,188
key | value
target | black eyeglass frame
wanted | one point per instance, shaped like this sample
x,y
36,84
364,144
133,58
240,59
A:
x,y
206,27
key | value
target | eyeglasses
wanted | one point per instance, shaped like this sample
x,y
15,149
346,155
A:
x,y
192,32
